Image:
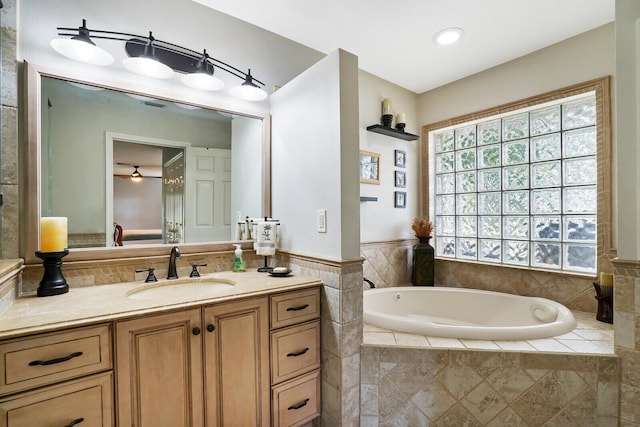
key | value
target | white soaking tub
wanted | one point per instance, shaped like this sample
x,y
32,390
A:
x,y
465,313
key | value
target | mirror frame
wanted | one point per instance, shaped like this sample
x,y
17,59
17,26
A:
x,y
32,161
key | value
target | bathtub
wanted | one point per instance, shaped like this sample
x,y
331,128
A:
x,y
465,313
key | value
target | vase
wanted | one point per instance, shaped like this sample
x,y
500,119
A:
x,y
422,271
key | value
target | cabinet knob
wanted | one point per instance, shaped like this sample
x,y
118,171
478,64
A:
x,y
211,328
196,331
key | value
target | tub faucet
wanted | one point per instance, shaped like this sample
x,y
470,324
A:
x,y
371,285
173,273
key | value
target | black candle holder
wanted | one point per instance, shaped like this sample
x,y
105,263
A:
x,y
387,119
604,295
400,126
53,282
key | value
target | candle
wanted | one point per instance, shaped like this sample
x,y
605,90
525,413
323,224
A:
x,y
53,234
606,279
401,118
386,106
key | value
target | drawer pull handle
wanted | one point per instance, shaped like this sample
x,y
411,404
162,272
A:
x,y
298,353
298,405
75,422
298,308
54,361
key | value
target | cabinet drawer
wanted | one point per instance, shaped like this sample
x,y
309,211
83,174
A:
x,y
294,351
294,307
297,402
48,358
88,399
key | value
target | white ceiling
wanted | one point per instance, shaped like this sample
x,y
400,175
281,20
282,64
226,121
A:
x,y
394,39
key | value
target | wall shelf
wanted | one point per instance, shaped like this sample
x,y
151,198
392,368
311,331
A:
x,y
385,130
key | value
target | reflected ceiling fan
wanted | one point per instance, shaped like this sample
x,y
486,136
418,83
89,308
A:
x,y
136,176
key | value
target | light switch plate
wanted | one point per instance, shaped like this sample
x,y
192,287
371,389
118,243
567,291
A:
x,y
322,220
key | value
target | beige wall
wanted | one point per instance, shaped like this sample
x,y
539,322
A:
x,y
581,58
381,221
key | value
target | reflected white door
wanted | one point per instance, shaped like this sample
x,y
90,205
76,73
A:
x,y
208,194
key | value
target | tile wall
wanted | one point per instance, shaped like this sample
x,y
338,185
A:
x,y
627,338
444,387
9,178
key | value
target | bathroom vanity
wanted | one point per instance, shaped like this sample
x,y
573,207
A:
x,y
102,356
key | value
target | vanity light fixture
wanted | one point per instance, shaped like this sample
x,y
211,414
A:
x,y
155,58
248,90
448,36
203,77
148,64
81,48
136,176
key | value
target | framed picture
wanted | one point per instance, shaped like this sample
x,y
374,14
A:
x,y
369,167
401,179
400,199
401,158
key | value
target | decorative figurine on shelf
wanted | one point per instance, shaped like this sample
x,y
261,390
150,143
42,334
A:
x,y
387,115
422,270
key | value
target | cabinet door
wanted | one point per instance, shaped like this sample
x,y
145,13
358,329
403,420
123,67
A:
x,y
159,370
237,363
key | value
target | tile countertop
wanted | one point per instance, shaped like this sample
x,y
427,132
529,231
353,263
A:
x,y
87,305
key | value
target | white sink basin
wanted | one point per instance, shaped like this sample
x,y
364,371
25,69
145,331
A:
x,y
182,289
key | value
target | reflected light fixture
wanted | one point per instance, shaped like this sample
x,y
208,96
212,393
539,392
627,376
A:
x,y
136,176
203,77
147,64
81,48
155,58
248,90
448,36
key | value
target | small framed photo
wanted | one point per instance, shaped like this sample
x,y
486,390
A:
x,y
400,199
401,158
369,167
401,179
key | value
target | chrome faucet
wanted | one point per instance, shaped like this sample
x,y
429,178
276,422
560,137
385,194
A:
x,y
173,273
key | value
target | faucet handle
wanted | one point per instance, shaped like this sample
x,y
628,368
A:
x,y
194,270
151,277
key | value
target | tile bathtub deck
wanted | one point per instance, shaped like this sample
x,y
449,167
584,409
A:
x,y
589,337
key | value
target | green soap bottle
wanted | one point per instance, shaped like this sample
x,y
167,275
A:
x,y
238,263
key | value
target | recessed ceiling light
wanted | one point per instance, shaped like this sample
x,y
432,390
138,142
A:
x,y
448,36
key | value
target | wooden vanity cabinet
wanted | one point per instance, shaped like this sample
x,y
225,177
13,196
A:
x,y
295,357
198,367
57,379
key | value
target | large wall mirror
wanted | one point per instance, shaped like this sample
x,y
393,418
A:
x,y
202,168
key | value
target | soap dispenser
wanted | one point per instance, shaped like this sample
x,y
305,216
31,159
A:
x,y
238,263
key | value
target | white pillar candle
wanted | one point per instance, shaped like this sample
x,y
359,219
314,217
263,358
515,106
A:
x,y
53,234
401,118
606,279
386,106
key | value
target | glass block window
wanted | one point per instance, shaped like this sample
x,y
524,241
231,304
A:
x,y
520,189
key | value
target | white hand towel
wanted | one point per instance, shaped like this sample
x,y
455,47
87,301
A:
x,y
266,238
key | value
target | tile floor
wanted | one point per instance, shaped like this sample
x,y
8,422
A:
x,y
589,337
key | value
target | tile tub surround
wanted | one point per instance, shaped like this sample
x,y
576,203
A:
x,y
388,264
415,380
627,337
